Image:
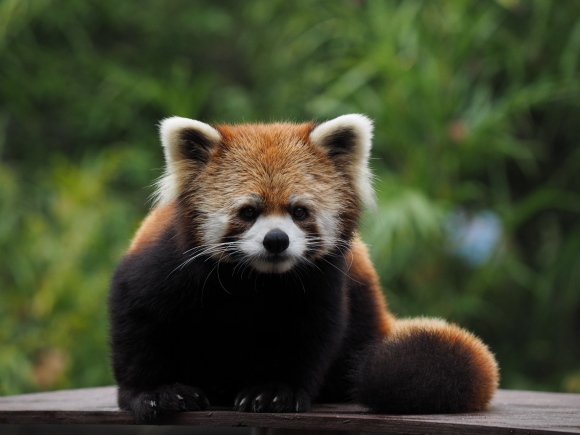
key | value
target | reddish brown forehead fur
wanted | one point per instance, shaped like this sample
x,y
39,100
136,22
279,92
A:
x,y
274,161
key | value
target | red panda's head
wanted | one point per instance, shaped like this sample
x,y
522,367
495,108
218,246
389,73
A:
x,y
271,196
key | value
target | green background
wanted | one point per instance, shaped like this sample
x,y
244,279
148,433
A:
x,y
477,110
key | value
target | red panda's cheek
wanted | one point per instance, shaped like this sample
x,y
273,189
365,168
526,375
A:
x,y
214,227
327,223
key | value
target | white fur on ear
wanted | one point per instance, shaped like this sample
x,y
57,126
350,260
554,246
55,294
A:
x,y
171,131
358,131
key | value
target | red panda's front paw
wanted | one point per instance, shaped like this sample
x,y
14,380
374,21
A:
x,y
272,398
147,406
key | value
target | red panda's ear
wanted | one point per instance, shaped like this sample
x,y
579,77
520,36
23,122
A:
x,y
347,140
187,145
185,138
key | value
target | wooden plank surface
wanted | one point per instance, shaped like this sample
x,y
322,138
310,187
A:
x,y
510,412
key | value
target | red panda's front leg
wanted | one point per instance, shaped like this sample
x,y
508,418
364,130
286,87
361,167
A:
x,y
291,378
288,374
147,354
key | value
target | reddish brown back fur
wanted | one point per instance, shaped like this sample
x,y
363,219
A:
x,y
152,227
362,270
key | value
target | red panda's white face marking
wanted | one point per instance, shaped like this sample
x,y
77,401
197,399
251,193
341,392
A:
x,y
267,196
254,244
244,226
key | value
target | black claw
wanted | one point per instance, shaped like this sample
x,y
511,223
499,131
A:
x,y
244,403
272,398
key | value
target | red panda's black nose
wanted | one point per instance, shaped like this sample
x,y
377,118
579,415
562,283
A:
x,y
276,241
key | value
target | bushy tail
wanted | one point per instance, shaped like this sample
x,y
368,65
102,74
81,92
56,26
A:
x,y
426,366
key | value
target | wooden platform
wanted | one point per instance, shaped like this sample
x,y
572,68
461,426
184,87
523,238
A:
x,y
511,412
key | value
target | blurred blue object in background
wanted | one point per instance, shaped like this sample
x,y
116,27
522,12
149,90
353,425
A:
x,y
474,236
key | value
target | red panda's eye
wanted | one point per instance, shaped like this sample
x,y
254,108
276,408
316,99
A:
x,y
299,213
248,212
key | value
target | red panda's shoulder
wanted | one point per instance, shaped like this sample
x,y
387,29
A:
x,y
153,226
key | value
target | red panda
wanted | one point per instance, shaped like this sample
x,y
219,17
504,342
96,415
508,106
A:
x,y
248,286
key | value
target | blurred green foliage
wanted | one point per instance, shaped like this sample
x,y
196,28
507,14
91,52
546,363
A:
x,y
476,106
